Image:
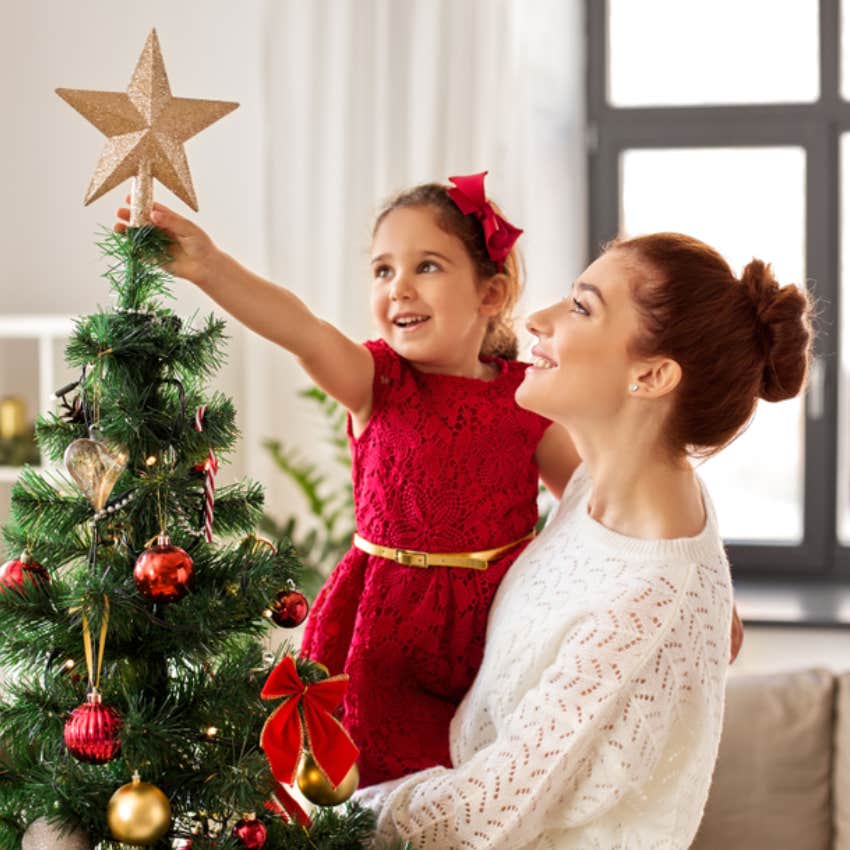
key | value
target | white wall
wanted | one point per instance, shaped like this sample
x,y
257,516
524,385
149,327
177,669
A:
x,y
48,152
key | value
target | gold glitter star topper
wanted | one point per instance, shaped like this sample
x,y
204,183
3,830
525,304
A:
x,y
146,128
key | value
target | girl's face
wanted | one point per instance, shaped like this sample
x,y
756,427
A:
x,y
581,365
426,300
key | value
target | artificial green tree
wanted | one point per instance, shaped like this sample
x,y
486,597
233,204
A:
x,y
183,675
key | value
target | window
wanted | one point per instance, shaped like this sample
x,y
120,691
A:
x,y
730,120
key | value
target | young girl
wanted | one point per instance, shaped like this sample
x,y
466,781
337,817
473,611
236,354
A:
x,y
445,464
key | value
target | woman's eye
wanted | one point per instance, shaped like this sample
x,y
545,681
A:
x,y
578,307
428,266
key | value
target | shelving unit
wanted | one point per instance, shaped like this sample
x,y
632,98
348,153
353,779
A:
x,y
49,333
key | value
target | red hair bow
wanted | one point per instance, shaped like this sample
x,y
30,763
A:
x,y
282,738
469,196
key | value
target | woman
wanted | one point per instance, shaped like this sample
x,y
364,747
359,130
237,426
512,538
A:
x,y
595,718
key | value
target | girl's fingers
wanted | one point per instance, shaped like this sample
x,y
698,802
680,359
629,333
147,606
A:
x,y
168,220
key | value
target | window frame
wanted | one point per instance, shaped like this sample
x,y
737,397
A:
x,y
816,127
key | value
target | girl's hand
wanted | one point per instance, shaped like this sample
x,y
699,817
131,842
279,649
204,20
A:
x,y
194,254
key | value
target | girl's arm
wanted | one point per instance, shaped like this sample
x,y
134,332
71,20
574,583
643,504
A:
x,y
556,458
341,367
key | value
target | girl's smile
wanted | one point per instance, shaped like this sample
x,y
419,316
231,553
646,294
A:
x,y
426,300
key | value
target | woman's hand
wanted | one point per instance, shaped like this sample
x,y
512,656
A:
x,y
737,635
194,254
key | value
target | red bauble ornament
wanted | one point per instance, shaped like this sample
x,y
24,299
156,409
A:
x,y
250,832
13,573
92,731
163,573
289,609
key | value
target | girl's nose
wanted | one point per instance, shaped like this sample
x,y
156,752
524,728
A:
x,y
401,288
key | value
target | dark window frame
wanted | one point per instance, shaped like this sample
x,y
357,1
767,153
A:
x,y
816,128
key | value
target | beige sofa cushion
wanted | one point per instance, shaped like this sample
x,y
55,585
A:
x,y
841,783
771,786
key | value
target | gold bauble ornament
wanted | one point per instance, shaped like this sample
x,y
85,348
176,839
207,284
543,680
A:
x,y
314,785
96,466
138,813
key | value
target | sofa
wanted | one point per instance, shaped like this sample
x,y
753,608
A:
x,y
782,779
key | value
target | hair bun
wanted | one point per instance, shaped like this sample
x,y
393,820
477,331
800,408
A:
x,y
783,314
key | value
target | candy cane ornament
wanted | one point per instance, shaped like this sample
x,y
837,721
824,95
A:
x,y
210,470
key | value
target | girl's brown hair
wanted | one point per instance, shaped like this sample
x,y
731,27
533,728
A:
x,y
735,340
500,339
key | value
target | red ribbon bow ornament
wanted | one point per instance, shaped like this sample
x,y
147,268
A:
x,y
499,233
282,738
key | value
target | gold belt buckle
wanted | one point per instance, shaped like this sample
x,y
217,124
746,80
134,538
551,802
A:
x,y
411,558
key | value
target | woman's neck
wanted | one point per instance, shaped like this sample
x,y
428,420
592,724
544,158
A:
x,y
639,490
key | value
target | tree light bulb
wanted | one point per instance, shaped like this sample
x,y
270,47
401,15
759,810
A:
x,y
150,460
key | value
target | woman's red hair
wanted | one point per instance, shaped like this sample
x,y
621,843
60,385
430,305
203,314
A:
x,y
735,340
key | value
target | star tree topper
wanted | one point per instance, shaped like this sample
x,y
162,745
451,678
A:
x,y
146,128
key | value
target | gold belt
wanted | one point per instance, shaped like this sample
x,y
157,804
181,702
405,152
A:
x,y
415,558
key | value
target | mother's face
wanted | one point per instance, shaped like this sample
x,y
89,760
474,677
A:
x,y
581,364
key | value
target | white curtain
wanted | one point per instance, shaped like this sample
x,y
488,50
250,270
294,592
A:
x,y
366,97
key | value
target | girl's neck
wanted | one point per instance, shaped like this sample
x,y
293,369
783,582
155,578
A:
x,y
470,366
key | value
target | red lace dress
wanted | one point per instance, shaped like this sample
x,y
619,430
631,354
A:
x,y
445,464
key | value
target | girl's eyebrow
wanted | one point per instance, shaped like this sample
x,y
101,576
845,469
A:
x,y
443,257
386,256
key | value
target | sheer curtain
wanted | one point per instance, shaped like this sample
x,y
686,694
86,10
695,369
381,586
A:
x,y
366,97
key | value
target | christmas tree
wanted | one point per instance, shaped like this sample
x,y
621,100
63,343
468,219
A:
x,y
136,601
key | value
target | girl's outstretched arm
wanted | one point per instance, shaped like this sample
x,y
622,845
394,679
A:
x,y
556,458
341,367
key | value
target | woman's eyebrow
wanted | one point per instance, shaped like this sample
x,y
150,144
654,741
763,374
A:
x,y
589,287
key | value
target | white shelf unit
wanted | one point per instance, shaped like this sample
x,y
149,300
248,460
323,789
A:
x,y
46,331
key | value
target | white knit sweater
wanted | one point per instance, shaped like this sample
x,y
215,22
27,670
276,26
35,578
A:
x,y
595,719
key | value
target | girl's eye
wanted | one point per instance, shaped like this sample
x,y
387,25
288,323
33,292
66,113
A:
x,y
428,266
578,307
382,271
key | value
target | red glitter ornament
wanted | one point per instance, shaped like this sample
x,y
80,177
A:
x,y
92,731
13,573
250,832
289,609
163,573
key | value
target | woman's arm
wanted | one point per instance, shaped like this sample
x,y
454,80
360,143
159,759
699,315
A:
x,y
556,458
593,729
341,367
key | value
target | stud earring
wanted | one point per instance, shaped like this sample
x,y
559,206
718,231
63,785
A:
x,y
633,387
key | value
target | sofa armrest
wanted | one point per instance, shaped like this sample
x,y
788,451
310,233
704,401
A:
x,y
772,784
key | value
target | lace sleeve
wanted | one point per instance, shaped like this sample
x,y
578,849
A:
x,y
591,730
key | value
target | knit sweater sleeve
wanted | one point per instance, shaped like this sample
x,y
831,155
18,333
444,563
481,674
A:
x,y
592,729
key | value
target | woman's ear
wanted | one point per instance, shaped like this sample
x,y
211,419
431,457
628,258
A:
x,y
494,293
658,377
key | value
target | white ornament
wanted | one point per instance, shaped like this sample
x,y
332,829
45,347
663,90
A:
x,y
43,835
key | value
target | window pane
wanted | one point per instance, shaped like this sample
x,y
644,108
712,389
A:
x,y
669,52
845,49
745,202
843,519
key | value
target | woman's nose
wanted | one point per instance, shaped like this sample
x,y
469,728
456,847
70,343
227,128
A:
x,y
537,324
